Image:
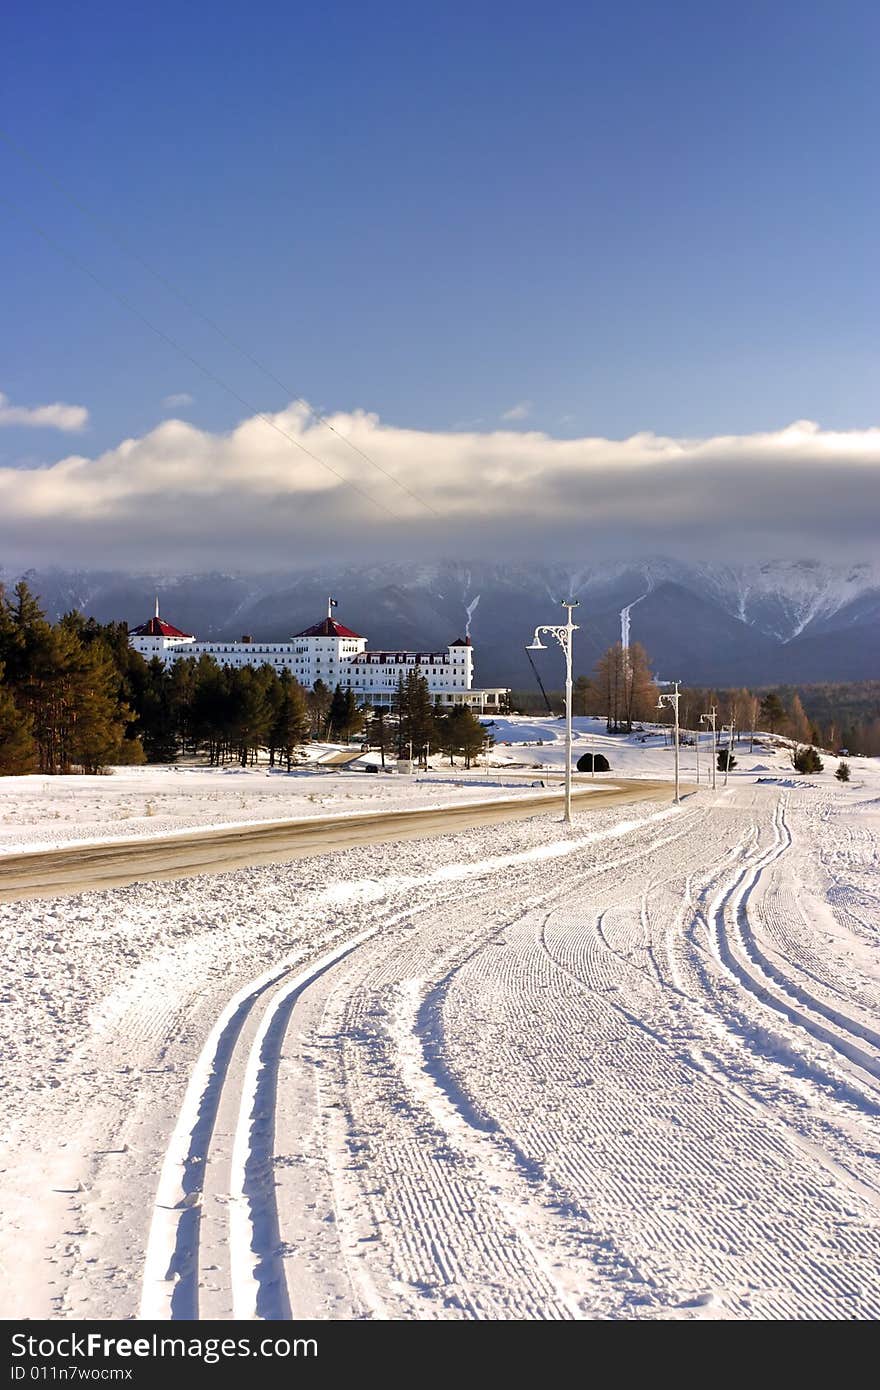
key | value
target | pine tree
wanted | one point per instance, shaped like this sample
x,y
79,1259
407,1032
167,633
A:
x,y
182,679
400,711
269,682
319,699
94,721
336,715
806,760
420,716
251,713
292,720
18,752
459,734
474,738
158,720
585,696
772,711
209,709
378,731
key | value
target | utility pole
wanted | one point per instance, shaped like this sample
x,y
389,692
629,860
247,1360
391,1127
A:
x,y
705,719
729,728
563,636
673,700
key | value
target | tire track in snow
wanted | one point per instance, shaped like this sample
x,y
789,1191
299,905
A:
x,y
171,1263
736,948
457,1201
645,1195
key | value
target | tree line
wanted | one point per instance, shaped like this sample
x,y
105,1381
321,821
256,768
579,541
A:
x,y
75,696
623,692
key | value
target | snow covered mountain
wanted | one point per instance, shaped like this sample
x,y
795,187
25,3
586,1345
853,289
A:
x,y
781,621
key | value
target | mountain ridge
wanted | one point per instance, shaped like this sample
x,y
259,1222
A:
x,y
707,623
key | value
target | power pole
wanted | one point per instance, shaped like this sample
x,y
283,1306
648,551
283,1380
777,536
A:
x,y
730,729
706,718
673,700
563,636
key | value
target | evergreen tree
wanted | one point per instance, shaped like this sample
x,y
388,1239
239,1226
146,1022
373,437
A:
x,y
842,773
474,738
210,709
772,711
158,718
400,711
93,721
269,681
319,700
420,718
292,719
806,760
459,734
378,731
182,680
584,696
354,716
250,713
336,715
18,752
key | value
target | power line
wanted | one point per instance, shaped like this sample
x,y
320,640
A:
x,y
206,371
124,244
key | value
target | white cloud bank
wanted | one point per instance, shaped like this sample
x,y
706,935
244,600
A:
x,y
183,497
58,416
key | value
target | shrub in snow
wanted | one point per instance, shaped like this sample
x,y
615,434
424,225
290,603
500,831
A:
x,y
593,763
806,759
842,773
725,760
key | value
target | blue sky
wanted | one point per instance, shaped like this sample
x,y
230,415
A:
x,y
619,218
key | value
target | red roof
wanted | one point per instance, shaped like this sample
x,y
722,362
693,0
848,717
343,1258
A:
x,y
329,627
156,627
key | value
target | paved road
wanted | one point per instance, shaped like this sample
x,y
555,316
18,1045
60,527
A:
x,y
78,868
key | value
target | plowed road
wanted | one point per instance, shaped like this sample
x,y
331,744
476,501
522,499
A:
x,y
113,863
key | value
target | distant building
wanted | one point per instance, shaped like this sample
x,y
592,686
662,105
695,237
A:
x,y
334,654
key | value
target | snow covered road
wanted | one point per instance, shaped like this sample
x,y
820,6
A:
x,y
628,1071
106,863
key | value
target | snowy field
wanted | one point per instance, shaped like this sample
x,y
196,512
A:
x,y
626,1070
41,812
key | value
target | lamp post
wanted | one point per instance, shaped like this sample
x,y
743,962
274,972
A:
x,y
706,719
672,700
728,729
563,636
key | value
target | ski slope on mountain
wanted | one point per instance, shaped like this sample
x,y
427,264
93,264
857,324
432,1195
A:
x,y
626,1070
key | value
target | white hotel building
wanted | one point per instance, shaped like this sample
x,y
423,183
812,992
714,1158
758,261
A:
x,y
335,655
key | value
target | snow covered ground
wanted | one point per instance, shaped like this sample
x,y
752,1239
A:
x,y
623,1071
540,743
39,812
